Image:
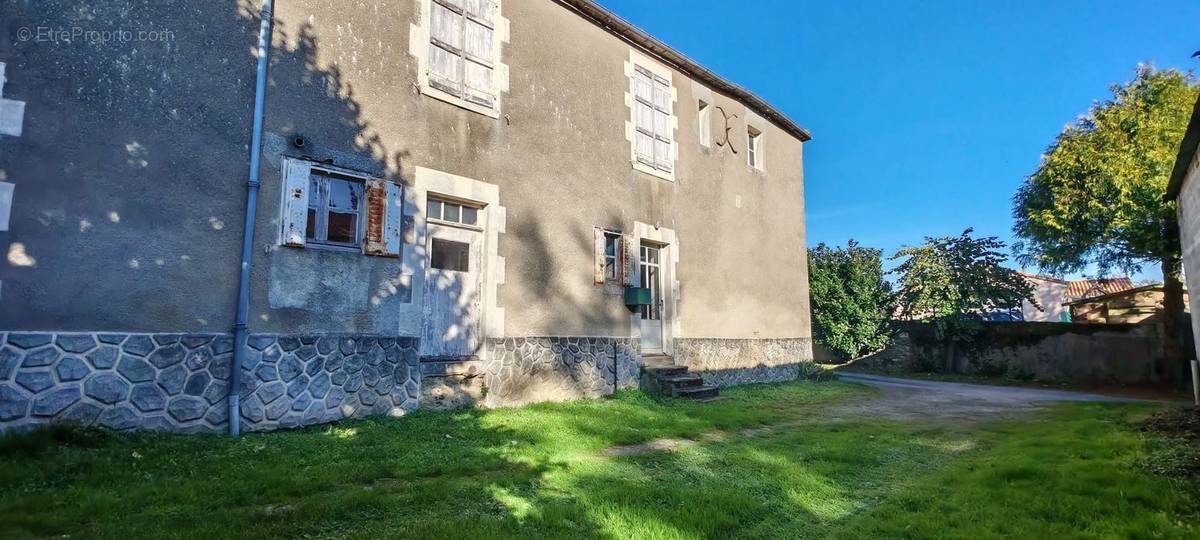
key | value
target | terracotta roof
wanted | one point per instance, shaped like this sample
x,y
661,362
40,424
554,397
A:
x,y
610,21
1088,288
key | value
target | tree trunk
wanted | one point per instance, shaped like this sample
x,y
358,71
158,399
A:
x,y
1174,317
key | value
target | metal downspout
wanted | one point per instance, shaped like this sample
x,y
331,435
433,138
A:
x,y
243,305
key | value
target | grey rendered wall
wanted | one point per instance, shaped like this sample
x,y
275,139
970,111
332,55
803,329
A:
x,y
1189,230
130,170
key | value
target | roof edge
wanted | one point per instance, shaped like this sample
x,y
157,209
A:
x,y
1187,153
1110,295
610,21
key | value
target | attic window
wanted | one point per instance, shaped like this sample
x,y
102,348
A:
x,y
754,149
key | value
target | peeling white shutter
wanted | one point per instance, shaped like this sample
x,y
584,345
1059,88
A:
x,y
394,219
385,218
628,260
598,256
295,202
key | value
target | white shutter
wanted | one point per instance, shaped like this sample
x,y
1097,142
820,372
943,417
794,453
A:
x,y
394,219
598,256
295,202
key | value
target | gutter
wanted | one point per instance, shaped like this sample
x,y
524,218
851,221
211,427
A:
x,y
624,29
243,304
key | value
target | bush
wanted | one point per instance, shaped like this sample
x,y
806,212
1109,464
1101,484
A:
x,y
851,302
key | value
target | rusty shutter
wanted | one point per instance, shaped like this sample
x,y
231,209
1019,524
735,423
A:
x,y
598,256
628,260
295,202
385,214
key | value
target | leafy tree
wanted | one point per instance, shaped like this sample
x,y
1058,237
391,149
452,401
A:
x,y
1097,196
953,281
851,300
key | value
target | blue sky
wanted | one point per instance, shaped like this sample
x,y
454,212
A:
x,y
926,116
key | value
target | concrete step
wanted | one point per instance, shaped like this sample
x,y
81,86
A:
x,y
672,383
658,360
699,393
665,371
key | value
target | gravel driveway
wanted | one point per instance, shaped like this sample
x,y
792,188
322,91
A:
x,y
909,399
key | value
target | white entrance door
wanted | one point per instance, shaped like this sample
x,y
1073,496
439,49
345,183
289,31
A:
x,y
652,315
452,293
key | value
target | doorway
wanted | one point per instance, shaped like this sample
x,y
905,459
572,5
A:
x,y
651,316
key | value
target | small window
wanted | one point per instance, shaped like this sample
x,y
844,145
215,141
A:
x,y
705,128
452,212
334,210
754,147
612,254
450,255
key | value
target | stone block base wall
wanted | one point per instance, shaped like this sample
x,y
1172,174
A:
x,y
730,362
533,369
180,382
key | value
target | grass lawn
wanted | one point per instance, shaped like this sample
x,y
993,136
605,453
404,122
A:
x,y
769,461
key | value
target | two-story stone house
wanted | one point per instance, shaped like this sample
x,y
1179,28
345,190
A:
x,y
463,195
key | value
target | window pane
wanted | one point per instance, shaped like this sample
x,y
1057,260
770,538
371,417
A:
x,y
445,64
645,117
662,97
343,228
642,86
310,230
450,255
662,153
481,9
469,215
479,77
343,195
645,146
662,125
479,41
314,191
451,212
447,26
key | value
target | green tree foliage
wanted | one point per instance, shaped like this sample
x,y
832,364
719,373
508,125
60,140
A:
x,y
851,300
1097,196
953,281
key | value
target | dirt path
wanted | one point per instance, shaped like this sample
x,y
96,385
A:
x,y
909,399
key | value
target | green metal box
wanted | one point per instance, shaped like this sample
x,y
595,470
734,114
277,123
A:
x,y
637,296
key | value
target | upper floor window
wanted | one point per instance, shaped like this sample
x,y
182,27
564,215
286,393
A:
x,y
461,58
652,120
754,147
704,129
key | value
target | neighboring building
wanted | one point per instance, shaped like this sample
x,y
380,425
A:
x,y
455,195
1184,188
1132,306
1051,294
1089,288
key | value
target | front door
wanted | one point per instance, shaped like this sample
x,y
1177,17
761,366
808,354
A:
x,y
452,293
652,315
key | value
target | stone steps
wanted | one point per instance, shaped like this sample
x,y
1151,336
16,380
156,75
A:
x,y
669,379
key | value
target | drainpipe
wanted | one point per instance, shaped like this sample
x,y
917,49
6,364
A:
x,y
243,305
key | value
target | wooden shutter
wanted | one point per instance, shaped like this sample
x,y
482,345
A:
x,y
295,202
598,256
385,218
628,260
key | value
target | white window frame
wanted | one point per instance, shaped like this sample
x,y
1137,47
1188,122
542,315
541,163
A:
x,y
321,211
638,66
440,215
422,45
754,148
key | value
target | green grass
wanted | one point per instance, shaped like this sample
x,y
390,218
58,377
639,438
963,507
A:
x,y
539,472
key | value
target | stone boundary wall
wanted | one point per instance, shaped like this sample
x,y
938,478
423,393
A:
x,y
1050,352
533,369
731,362
180,382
